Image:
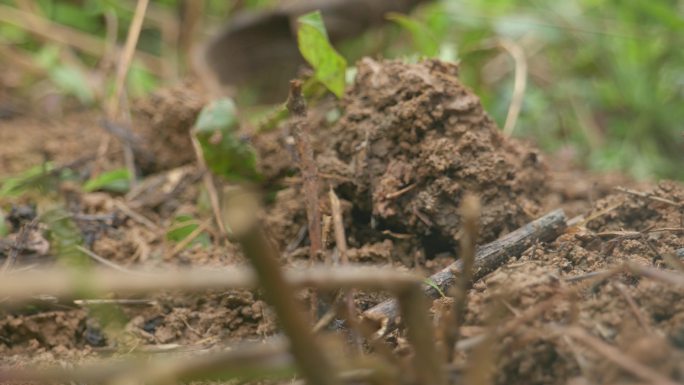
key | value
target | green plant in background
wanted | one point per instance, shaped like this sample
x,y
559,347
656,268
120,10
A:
x,y
329,66
225,153
604,77
117,181
182,227
34,178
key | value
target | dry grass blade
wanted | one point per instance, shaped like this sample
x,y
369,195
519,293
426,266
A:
x,y
618,358
209,185
519,84
341,243
649,196
633,307
68,36
16,287
126,58
415,314
241,361
470,213
239,208
671,277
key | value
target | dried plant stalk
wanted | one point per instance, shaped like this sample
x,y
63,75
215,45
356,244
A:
x,y
470,214
307,166
239,214
19,287
415,314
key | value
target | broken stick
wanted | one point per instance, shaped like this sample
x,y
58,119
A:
x,y
487,259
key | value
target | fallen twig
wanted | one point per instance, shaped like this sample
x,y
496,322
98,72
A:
x,y
487,259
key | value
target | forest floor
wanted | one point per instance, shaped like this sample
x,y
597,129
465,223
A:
x,y
400,150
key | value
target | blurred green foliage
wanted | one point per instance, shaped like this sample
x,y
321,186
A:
x,y
329,66
225,152
605,77
117,181
182,227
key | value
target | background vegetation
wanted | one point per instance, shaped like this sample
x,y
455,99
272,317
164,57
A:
x,y
604,78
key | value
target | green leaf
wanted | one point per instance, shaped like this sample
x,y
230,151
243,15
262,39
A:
x,y
433,285
314,45
34,178
114,181
4,229
182,227
72,81
423,40
65,237
225,153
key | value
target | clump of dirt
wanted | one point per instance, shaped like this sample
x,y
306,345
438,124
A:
x,y
410,141
164,123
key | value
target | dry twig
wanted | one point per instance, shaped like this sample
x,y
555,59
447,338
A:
x,y
239,208
307,166
487,259
617,357
470,214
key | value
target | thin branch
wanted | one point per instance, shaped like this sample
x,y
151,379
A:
x,y
341,244
649,196
622,360
307,166
125,59
208,181
239,208
105,261
240,361
64,283
415,315
487,259
470,214
633,307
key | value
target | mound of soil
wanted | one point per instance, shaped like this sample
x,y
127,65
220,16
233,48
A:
x,y
410,142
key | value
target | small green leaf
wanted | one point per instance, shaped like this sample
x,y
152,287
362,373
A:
x,y
423,39
433,285
225,153
65,237
34,178
4,229
114,181
182,227
314,45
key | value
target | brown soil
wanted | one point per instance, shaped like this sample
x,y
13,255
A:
x,y
409,141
